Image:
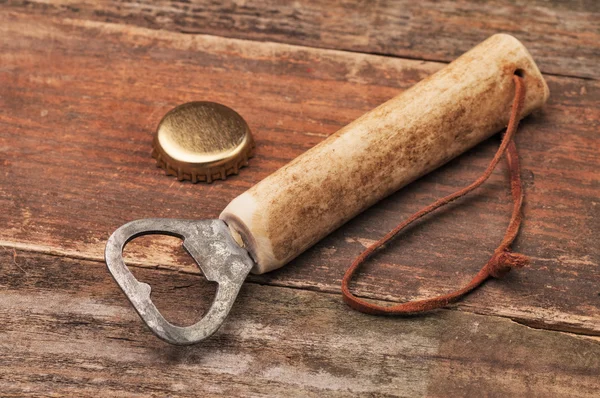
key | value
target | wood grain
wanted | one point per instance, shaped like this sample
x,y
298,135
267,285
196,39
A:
x,y
68,330
563,36
79,101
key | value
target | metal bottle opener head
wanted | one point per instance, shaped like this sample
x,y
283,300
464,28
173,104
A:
x,y
210,244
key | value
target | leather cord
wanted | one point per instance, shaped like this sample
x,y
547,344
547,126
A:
x,y
502,261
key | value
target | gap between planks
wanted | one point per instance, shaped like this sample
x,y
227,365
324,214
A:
x,y
72,254
562,36
441,62
281,341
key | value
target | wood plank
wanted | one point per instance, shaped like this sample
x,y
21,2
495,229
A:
x,y
67,330
563,37
79,101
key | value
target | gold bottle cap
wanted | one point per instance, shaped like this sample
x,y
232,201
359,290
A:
x,y
202,141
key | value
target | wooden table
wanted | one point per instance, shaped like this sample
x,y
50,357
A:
x,y
83,85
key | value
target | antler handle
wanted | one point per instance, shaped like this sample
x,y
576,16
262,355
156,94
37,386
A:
x,y
382,151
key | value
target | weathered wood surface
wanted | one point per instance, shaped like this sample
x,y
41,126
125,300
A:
x,y
68,330
79,101
563,36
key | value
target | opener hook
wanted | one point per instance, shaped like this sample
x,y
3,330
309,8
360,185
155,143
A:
x,y
210,244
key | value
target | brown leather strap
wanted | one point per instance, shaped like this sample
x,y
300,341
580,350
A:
x,y
502,260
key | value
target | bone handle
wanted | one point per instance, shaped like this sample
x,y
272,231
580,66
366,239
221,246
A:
x,y
382,151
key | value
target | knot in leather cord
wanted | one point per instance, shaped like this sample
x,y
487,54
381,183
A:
x,y
499,264
503,261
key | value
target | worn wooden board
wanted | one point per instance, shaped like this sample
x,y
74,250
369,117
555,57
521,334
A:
x,y
79,101
563,36
68,330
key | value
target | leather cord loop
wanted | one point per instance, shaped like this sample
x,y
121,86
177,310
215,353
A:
x,y
502,261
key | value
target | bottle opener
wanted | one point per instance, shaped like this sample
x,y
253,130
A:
x,y
387,148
